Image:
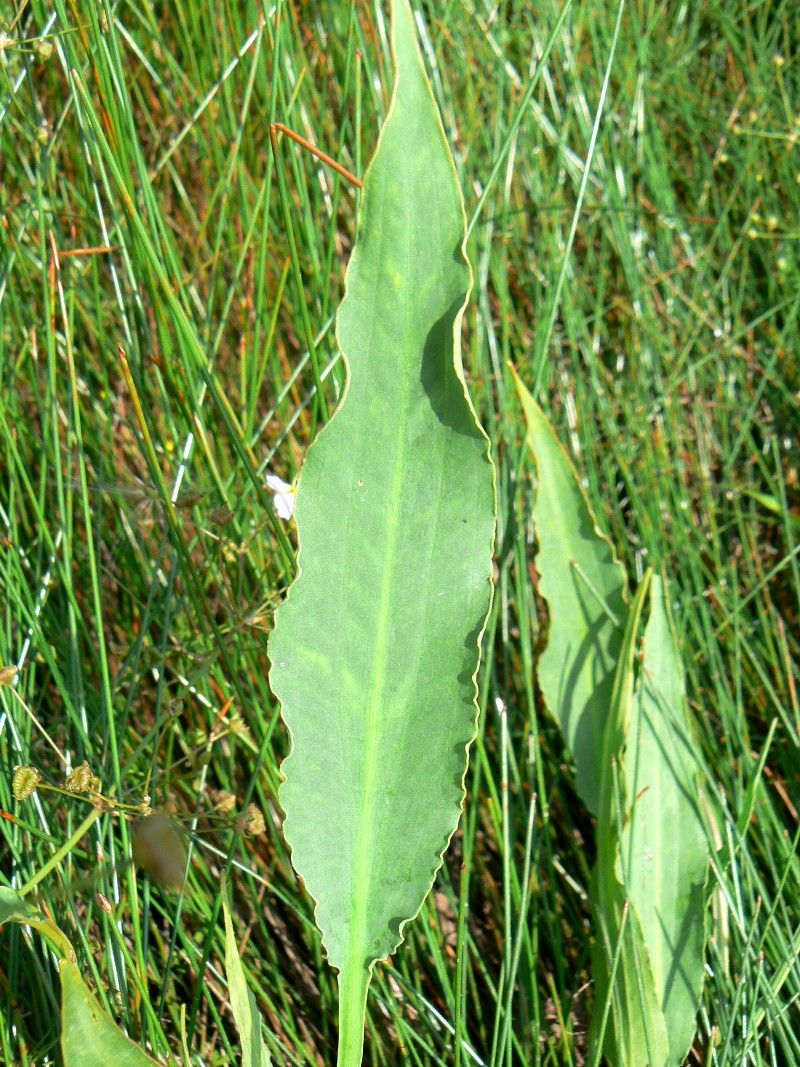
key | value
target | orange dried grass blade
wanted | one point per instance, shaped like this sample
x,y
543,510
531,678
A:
x,y
278,127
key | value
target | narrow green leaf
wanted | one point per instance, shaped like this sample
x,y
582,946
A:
x,y
243,1003
375,652
664,849
15,909
636,1034
89,1038
584,586
635,765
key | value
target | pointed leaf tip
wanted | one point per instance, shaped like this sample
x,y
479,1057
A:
x,y
243,1002
584,586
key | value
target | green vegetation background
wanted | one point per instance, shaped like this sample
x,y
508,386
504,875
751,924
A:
x,y
668,359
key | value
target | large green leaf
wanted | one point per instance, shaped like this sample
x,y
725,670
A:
x,y
89,1038
584,587
375,652
664,850
633,1033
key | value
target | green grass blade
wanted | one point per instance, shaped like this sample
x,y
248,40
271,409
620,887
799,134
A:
x,y
584,587
663,843
375,653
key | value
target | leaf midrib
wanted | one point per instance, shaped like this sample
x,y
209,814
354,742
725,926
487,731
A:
x,y
364,838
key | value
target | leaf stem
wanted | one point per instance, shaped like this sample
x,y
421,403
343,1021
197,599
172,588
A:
x,y
60,853
353,983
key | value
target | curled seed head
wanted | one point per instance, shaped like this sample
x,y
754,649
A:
x,y
251,822
24,782
190,497
226,802
239,728
81,780
222,516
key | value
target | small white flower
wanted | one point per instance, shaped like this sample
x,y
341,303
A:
x,y
283,496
